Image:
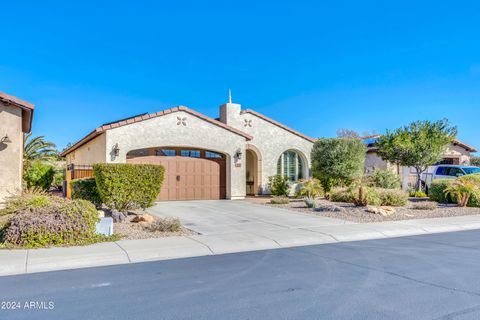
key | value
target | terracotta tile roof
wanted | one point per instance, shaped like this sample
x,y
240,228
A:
x,y
27,109
278,124
98,131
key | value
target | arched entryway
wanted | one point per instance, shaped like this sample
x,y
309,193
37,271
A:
x,y
190,173
253,170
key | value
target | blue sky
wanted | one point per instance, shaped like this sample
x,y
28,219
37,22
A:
x,y
314,65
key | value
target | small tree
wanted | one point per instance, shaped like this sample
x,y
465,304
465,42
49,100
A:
x,y
338,160
419,144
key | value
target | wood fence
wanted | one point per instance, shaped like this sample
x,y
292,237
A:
x,y
75,171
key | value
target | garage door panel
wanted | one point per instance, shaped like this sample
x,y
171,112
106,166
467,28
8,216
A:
x,y
189,178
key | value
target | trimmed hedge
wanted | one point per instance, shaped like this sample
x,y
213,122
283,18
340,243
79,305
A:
x,y
86,189
61,222
436,192
125,186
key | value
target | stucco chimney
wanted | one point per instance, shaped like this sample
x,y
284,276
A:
x,y
230,112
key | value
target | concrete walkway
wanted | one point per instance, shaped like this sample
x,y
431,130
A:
x,y
256,234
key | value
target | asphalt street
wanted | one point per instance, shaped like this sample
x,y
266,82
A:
x,y
422,277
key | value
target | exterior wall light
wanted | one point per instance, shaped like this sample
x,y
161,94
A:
x,y
116,150
6,139
238,154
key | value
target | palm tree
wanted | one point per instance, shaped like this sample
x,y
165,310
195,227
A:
x,y
37,148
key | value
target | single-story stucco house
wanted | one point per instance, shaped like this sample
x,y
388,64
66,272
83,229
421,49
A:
x,y
16,118
204,158
458,153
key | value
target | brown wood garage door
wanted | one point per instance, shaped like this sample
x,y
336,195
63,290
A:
x,y
189,178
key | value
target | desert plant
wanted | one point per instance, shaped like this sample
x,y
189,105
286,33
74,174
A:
x,y
384,179
436,191
310,188
418,145
425,205
338,161
461,189
391,197
279,200
165,225
85,189
310,202
39,174
125,186
278,185
341,195
62,222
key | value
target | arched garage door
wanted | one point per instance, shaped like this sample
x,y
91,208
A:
x,y
190,174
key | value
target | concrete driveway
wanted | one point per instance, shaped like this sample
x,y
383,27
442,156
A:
x,y
222,216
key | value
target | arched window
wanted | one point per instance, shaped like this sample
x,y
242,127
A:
x,y
290,164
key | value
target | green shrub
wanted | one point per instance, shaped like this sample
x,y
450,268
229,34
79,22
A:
x,y
125,186
29,200
85,189
39,174
373,196
278,185
63,222
384,179
425,205
338,161
165,225
279,200
58,178
436,191
341,195
394,198
418,194
310,188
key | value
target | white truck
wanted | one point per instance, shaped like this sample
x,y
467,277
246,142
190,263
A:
x,y
446,171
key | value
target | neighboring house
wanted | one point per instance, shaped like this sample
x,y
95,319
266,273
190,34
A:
x,y
204,158
15,119
458,153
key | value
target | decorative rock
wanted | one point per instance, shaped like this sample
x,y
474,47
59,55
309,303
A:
x,y
118,216
330,208
143,218
384,211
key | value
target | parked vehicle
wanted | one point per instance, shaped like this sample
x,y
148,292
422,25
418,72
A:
x,y
446,172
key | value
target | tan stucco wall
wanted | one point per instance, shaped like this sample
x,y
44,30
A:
x,y
270,140
90,153
198,133
11,154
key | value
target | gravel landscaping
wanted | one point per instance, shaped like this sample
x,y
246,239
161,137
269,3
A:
x,y
129,230
350,212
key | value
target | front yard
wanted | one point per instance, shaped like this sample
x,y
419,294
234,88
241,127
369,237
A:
x,y
350,212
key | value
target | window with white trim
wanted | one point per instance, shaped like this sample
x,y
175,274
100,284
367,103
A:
x,y
290,164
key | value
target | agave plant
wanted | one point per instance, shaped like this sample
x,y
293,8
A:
x,y
461,189
36,148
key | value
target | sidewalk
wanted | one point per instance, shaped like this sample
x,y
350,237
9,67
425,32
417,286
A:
x,y
132,251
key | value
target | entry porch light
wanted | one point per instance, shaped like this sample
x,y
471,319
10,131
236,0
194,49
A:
x,y
6,139
116,150
238,154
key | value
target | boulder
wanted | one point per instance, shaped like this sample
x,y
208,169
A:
x,y
118,216
143,218
384,210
